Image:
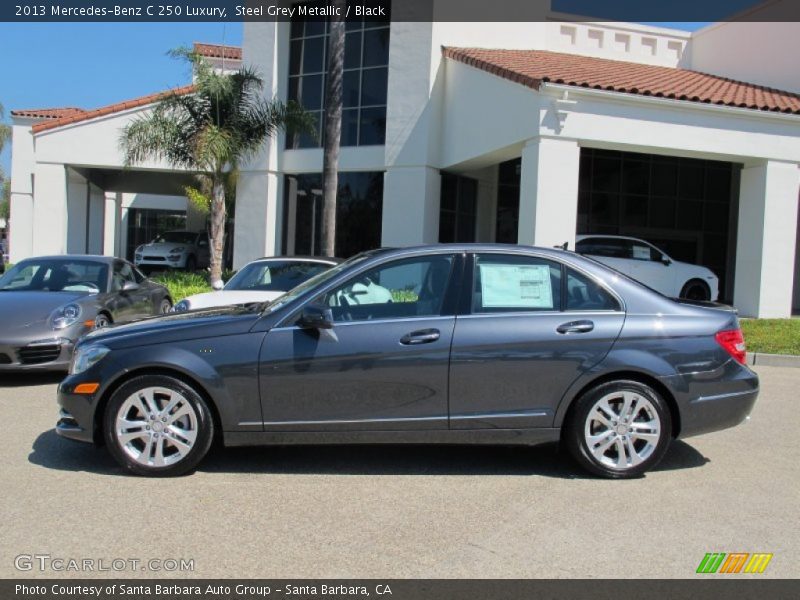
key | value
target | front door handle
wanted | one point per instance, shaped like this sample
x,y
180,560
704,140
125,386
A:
x,y
575,327
423,336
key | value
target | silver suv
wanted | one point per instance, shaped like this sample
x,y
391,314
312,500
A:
x,y
175,250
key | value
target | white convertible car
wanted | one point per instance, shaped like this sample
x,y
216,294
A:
x,y
644,262
262,280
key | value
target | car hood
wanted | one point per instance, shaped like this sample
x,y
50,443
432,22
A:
x,y
176,327
229,297
162,248
21,310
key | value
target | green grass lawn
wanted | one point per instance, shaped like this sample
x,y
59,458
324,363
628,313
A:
x,y
182,284
772,336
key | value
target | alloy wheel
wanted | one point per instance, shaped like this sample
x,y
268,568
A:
x,y
156,426
622,430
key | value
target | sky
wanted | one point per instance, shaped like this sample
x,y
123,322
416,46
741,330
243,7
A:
x,y
88,65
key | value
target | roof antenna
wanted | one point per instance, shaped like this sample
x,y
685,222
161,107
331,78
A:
x,y
563,246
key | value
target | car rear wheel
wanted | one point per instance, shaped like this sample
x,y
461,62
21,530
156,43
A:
x,y
157,425
696,290
619,429
165,306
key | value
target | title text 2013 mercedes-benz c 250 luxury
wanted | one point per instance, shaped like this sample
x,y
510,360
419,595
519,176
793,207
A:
x,y
440,344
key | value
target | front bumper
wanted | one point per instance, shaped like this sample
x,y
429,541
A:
x,y
43,355
161,261
76,412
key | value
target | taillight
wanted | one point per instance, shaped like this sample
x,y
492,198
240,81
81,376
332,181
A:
x,y
733,343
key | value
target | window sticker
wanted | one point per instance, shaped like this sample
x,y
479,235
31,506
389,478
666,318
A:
x,y
641,252
516,286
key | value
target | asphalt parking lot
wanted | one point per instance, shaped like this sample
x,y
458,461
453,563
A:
x,y
404,511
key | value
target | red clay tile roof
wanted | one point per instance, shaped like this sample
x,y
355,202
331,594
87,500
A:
x,y
46,113
218,51
85,115
534,67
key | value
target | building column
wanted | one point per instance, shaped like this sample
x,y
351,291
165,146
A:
x,y
50,209
257,230
765,248
111,224
20,225
410,206
548,195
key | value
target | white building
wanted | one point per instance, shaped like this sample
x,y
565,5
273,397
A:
x,y
524,132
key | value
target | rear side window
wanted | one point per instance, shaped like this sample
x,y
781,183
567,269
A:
x,y
508,283
609,247
584,293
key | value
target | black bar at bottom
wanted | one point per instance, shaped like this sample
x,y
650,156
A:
x,y
732,587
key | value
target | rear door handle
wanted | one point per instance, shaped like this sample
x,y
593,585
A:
x,y
423,336
575,327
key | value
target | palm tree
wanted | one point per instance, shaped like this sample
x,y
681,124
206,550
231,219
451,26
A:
x,y
223,121
332,127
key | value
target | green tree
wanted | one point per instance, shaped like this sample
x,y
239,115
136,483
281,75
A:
x,y
211,131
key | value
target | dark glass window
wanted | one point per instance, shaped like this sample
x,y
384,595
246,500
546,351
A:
x,y
457,209
359,207
586,294
365,82
687,207
506,229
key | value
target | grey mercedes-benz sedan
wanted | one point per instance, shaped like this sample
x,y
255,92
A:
x,y
47,303
456,344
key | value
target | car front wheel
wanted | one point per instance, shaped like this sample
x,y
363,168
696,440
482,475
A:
x,y
619,429
164,307
157,425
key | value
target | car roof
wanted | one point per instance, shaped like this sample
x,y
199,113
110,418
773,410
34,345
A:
x,y
587,236
86,257
470,247
322,259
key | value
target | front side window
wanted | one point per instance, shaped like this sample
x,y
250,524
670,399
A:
x,y
123,273
508,283
401,289
365,79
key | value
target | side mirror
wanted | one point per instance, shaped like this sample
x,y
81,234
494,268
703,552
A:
x,y
130,286
666,260
217,285
316,316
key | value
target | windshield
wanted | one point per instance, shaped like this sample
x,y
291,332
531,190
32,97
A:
x,y
56,275
176,237
274,275
318,280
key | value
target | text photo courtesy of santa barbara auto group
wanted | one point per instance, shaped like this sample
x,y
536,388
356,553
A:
x,y
403,299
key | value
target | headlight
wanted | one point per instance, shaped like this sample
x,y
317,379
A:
x,y
181,306
177,250
86,356
65,316
140,249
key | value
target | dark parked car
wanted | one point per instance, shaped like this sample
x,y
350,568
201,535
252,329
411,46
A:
x,y
47,303
445,344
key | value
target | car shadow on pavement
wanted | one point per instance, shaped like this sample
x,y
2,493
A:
x,y
53,452
8,380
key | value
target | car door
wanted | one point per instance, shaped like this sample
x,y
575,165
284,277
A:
x,y
531,327
127,305
650,268
384,363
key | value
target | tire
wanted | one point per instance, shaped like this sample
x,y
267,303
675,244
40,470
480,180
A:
x,y
599,427
102,320
191,264
157,447
165,306
696,289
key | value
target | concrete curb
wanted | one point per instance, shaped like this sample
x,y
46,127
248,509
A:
x,y
772,360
